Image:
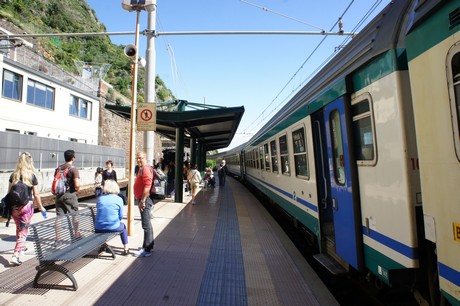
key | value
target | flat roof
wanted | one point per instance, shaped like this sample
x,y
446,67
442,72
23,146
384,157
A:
x,y
213,126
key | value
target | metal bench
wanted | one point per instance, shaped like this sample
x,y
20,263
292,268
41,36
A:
x,y
67,238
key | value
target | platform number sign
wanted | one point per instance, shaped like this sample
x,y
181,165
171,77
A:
x,y
146,116
457,232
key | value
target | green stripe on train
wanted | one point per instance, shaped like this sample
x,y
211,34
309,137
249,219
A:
x,y
431,32
379,264
302,216
383,65
450,298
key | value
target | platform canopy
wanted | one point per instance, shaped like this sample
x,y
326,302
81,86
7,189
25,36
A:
x,y
213,126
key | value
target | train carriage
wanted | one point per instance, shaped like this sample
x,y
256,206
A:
x,y
351,156
433,48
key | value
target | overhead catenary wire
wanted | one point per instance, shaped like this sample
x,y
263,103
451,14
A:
x,y
253,125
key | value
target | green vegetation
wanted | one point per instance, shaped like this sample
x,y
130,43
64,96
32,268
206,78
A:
x,y
76,16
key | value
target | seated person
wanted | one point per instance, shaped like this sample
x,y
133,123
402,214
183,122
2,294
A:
x,y
209,177
109,213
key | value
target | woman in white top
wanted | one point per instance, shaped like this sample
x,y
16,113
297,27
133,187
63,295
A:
x,y
194,178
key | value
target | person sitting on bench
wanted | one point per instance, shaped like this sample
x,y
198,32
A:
x,y
110,212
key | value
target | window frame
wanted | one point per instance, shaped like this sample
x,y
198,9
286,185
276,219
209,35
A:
x,y
75,109
47,90
355,118
334,140
452,84
284,155
19,87
296,155
274,156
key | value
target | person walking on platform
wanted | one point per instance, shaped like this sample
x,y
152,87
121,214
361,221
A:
x,y
109,209
109,173
68,201
222,173
171,179
194,177
98,181
142,185
22,215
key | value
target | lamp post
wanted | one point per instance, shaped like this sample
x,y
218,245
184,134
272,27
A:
x,y
132,52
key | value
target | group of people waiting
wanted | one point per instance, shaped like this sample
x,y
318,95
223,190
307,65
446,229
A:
x,y
110,204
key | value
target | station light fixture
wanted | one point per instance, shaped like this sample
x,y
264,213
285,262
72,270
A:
x,y
138,5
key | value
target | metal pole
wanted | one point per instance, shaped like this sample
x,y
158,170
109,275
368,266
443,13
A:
x,y
132,143
150,94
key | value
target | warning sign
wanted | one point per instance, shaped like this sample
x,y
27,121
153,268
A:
x,y
146,116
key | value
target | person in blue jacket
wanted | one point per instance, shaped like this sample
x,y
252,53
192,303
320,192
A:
x,y
109,213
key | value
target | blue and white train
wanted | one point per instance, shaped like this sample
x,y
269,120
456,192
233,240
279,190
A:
x,y
366,156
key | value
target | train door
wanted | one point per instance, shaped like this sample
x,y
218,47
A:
x,y
340,219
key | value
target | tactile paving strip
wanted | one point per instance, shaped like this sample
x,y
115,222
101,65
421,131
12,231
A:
x,y
223,281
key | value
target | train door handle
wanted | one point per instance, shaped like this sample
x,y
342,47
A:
x,y
334,204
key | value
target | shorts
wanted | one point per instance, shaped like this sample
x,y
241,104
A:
x,y
66,203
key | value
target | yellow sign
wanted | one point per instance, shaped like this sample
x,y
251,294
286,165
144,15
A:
x,y
146,116
457,232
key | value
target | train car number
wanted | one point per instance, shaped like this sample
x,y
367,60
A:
x,y
457,232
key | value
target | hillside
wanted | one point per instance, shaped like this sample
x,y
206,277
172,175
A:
x,y
74,16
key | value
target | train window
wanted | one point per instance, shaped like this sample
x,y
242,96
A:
x,y
337,147
39,94
284,154
274,154
261,157
12,85
455,100
267,157
300,153
363,135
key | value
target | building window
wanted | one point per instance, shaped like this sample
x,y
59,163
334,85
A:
x,y
267,158
12,85
39,94
284,155
80,108
363,132
300,153
337,147
274,154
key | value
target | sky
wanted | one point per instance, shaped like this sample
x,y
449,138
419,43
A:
x,y
259,72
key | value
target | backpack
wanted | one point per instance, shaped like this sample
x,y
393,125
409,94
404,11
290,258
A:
x,y
60,184
19,195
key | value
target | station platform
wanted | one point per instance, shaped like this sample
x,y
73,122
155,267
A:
x,y
224,250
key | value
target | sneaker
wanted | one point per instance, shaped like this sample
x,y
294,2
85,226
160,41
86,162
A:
x,y
15,261
142,253
23,251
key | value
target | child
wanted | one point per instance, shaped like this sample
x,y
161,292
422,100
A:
x,y
98,181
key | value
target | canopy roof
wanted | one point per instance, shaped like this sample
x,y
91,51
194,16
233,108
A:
x,y
213,126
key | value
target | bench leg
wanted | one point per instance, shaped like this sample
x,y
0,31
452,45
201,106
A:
x,y
57,268
108,249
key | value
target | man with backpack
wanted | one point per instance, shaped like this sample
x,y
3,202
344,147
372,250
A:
x,y
68,175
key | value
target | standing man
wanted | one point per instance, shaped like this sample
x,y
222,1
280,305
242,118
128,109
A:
x,y
142,185
68,201
222,172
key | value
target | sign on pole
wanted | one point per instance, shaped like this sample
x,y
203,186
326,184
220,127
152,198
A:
x,y
146,116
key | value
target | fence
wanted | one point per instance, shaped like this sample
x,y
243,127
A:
x,y
49,153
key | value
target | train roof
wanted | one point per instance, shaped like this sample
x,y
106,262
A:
x,y
380,35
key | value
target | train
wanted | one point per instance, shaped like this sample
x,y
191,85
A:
x,y
365,158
